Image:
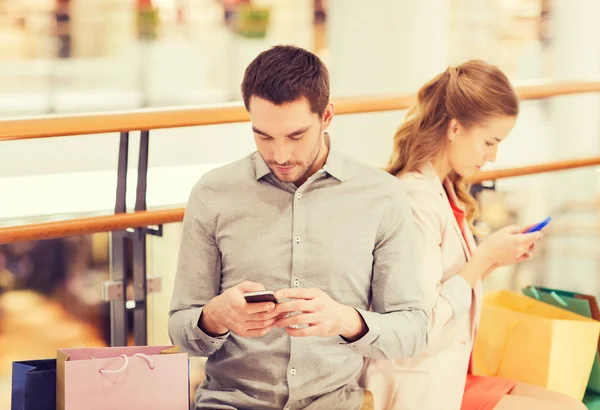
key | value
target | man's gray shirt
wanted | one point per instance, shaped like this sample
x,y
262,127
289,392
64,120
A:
x,y
348,230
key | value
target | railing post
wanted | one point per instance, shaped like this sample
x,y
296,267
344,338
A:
x,y
140,287
128,256
118,273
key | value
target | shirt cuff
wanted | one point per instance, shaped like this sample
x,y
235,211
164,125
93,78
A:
x,y
208,343
459,294
363,345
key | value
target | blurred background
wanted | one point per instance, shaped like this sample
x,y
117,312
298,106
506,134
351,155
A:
x,y
83,56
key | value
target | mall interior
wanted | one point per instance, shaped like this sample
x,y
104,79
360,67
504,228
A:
x,y
111,110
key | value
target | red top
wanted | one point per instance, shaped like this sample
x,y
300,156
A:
x,y
459,214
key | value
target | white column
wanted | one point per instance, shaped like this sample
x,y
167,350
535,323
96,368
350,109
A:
x,y
576,44
381,47
576,132
385,46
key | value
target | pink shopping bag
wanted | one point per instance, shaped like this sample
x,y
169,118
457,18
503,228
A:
x,y
122,378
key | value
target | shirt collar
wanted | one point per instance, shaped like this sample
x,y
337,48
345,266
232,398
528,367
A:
x,y
334,165
260,166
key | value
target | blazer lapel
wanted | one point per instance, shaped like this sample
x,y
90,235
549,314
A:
x,y
427,171
450,194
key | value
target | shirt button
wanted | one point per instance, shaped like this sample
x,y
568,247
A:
x,y
299,195
297,239
296,283
293,371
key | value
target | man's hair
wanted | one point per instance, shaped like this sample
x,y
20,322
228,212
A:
x,y
284,74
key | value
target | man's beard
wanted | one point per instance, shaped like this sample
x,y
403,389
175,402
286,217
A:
x,y
306,168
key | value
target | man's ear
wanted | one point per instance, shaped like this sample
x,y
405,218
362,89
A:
x,y
328,115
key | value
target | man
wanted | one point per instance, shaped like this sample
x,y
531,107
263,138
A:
x,y
331,237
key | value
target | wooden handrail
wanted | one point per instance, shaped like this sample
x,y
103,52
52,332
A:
x,y
84,226
119,222
149,119
536,169
53,126
541,90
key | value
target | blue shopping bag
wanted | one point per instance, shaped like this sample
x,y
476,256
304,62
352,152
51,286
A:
x,y
34,385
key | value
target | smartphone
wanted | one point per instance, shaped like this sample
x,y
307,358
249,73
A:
x,y
539,226
260,296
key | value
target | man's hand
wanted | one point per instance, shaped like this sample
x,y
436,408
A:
x,y
230,311
325,316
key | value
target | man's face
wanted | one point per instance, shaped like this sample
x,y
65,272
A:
x,y
289,137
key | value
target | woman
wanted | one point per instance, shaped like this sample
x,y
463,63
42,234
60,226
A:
x,y
454,129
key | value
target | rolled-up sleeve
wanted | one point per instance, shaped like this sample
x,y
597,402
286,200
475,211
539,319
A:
x,y
198,276
397,322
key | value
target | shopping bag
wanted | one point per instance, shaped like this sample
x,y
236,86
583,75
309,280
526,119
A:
x,y
585,305
34,385
529,341
128,378
592,400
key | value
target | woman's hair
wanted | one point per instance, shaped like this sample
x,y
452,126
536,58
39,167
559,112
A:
x,y
471,93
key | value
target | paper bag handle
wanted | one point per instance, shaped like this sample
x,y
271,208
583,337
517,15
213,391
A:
x,y
535,292
126,363
553,295
558,299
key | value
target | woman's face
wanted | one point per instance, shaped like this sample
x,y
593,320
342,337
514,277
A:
x,y
470,148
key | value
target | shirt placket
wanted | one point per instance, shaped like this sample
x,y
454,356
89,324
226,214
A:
x,y
299,254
